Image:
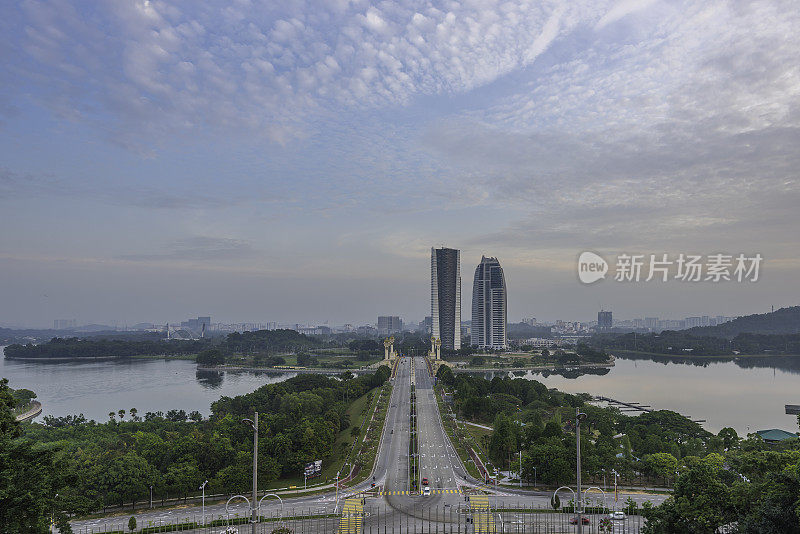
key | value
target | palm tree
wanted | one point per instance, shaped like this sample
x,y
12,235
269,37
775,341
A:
x,y
134,412
121,414
111,415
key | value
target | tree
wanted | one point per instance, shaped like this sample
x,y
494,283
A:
x,y
28,474
132,524
729,437
661,464
445,375
701,504
121,414
211,357
182,478
503,441
134,414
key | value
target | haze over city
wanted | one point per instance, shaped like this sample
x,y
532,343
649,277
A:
x,y
295,163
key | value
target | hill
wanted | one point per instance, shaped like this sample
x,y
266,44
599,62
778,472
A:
x,y
782,321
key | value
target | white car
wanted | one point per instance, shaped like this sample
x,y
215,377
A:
x,y
426,491
617,515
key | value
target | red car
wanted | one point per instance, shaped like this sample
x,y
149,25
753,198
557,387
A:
x,y
574,520
424,481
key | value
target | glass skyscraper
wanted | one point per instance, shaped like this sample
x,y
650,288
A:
x,y
488,328
446,296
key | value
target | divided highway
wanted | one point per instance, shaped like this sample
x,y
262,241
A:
x,y
389,500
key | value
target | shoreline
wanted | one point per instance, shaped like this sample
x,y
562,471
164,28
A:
x,y
321,370
704,356
31,413
550,367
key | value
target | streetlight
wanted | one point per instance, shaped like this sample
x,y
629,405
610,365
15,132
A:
x,y
254,425
151,496
615,488
203,487
520,469
578,417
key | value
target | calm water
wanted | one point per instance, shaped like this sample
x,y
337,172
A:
x,y
96,388
746,394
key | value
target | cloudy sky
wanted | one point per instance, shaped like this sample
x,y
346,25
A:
x,y
295,161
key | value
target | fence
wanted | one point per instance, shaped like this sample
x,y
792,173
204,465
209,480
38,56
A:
x,y
381,519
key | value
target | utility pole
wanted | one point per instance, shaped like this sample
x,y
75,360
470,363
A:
x,y
254,506
578,417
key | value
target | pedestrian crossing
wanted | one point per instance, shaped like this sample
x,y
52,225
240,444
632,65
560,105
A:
x,y
433,492
352,517
482,517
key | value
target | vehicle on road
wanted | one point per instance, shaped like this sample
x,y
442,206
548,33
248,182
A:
x,y
617,515
426,491
424,481
574,520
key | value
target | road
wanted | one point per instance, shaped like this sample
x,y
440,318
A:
x,y
390,502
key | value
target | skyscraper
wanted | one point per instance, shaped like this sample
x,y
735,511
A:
x,y
604,320
389,324
446,296
489,305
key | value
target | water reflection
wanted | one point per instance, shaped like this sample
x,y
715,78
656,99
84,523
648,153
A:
x,y
210,379
746,393
786,363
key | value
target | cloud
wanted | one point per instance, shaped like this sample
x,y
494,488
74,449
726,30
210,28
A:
x,y
145,69
199,248
14,185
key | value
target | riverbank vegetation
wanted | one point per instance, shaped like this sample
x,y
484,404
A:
x,y
530,358
264,348
684,343
718,479
92,465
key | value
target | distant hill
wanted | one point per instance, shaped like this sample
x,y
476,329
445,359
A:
x,y
782,321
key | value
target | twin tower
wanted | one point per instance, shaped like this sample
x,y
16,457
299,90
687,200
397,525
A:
x,y
489,306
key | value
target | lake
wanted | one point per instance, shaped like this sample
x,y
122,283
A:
x,y
747,394
95,388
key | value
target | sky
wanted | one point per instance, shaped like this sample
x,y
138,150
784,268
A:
x,y
296,161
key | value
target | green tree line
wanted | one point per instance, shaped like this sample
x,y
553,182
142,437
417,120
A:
x,y
93,465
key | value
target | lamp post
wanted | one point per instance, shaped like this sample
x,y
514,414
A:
x,y
254,425
520,469
337,490
151,496
578,417
615,488
203,487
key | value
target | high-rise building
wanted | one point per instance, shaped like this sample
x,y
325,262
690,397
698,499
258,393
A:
x,y
64,324
389,324
488,328
604,320
446,296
